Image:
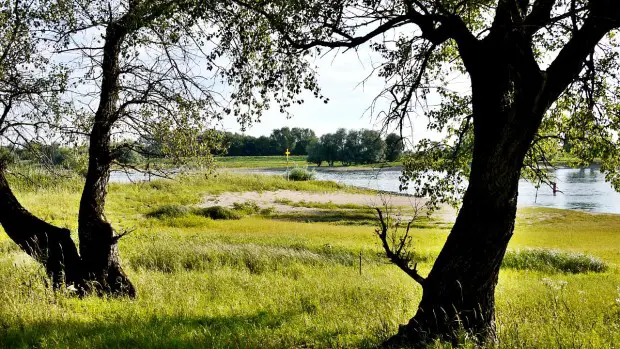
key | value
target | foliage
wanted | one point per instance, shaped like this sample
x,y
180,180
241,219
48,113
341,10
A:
x,y
128,156
300,174
31,83
394,147
295,139
251,208
352,147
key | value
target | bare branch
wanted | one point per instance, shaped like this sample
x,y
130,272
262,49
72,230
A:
x,y
397,257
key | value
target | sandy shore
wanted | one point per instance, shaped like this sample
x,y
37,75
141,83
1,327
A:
x,y
271,198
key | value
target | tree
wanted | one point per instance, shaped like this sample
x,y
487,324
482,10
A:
x,y
537,69
394,147
283,138
265,146
303,137
330,148
140,75
315,153
339,139
352,151
373,147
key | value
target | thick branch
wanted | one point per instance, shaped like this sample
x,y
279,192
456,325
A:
x,y
539,17
604,17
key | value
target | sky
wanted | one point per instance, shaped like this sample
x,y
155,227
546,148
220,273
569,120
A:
x,y
340,77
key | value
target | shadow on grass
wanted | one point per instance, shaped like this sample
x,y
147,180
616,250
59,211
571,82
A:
x,y
346,217
354,217
238,331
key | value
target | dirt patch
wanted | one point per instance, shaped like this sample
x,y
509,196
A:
x,y
271,198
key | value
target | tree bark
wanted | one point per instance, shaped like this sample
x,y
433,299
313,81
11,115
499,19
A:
x,y
50,245
98,241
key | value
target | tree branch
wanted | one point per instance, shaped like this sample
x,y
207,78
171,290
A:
x,y
539,17
604,17
397,257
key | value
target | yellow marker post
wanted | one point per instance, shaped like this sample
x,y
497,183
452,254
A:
x,y
287,153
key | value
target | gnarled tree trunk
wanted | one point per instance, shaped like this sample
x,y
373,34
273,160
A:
x,y
50,245
459,292
98,242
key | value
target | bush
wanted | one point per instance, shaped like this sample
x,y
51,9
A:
x,y
300,174
553,261
217,212
168,211
247,207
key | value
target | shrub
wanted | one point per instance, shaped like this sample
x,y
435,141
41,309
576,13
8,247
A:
x,y
246,207
300,174
168,211
252,208
553,261
217,212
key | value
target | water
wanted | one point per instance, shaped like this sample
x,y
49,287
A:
x,y
581,189
129,177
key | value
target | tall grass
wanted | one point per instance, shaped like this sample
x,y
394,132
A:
x,y
260,282
553,261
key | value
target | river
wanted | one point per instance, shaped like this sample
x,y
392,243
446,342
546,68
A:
x,y
579,189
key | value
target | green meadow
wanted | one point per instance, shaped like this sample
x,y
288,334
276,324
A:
x,y
267,280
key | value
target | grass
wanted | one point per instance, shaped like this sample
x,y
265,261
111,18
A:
x,y
277,161
553,261
261,161
217,212
263,282
168,211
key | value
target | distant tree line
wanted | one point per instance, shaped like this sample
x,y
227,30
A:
x,y
71,158
348,147
295,139
355,147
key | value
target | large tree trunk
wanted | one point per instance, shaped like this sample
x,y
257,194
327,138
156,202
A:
x,y
50,245
98,241
459,292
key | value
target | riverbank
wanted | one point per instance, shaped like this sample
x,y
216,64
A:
x,y
276,280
